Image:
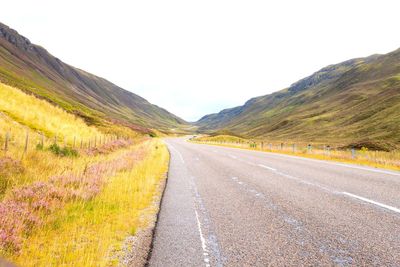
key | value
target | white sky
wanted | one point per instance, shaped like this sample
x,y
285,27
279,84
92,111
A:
x,y
198,57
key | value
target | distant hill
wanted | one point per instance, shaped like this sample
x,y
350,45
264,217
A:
x,y
354,101
31,68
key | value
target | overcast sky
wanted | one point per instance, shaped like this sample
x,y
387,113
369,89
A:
x,y
198,57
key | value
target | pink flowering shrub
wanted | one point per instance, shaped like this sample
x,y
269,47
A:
x,y
25,207
108,147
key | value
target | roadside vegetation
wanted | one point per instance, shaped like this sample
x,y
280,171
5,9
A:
x,y
356,153
40,115
71,193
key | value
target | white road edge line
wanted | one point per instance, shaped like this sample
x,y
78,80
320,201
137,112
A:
x,y
320,161
203,241
334,163
266,167
179,153
372,202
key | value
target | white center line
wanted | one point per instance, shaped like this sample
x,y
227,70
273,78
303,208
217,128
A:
x,y
372,202
266,167
391,208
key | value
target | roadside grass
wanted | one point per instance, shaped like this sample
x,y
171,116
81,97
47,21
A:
x,y
377,159
40,115
70,200
91,233
20,169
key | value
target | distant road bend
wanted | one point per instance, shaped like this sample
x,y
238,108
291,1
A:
x,y
232,207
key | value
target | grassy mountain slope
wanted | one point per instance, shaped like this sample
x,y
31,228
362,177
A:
x,y
354,101
32,69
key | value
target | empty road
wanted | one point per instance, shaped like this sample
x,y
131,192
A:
x,y
232,207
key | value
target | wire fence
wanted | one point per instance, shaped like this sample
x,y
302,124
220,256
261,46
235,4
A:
x,y
30,141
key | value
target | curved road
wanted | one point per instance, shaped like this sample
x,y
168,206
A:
x,y
231,207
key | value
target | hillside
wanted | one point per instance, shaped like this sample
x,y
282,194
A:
x,y
354,101
31,68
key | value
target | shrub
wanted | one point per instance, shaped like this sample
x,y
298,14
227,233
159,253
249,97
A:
x,y
64,152
39,147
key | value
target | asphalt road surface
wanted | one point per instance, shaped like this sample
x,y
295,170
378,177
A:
x,y
232,207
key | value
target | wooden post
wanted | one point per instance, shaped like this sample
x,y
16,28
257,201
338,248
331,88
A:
x,y
42,140
64,141
309,148
95,141
26,142
6,141
353,153
81,143
55,139
74,142
294,148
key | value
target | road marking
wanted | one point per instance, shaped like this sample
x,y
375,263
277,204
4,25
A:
x,y
367,169
333,163
209,242
179,153
391,208
266,167
372,202
203,241
315,160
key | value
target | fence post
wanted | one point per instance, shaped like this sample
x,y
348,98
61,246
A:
x,y
74,141
353,153
328,150
262,145
55,139
6,141
294,148
95,141
81,143
309,148
270,146
26,142
281,146
42,140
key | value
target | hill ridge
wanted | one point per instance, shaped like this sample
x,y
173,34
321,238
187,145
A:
x,y
358,99
32,68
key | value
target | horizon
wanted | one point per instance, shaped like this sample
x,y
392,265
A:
x,y
178,66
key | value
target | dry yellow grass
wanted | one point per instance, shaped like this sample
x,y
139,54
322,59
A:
x,y
89,233
80,231
40,115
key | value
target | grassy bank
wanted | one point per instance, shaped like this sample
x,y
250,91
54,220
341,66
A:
x,y
378,159
91,233
70,192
